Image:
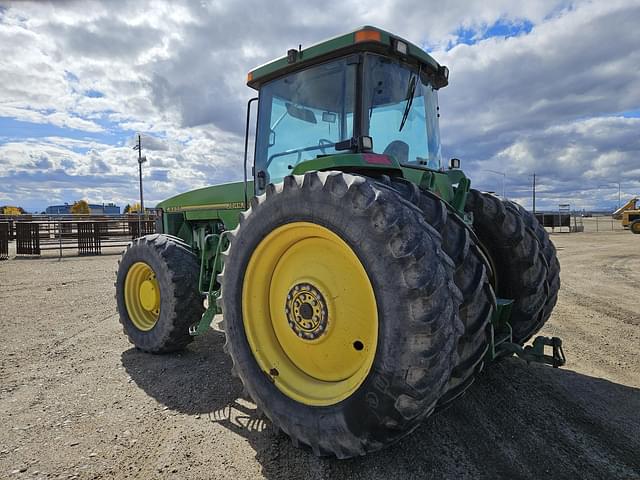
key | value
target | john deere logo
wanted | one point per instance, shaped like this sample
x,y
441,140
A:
x,y
306,311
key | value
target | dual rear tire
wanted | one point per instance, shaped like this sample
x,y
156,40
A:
x,y
524,259
472,272
322,258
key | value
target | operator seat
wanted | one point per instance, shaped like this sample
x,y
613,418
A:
x,y
399,150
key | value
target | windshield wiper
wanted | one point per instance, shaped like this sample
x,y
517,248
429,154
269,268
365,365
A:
x,y
411,89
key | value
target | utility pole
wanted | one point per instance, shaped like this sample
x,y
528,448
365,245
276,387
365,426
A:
x,y
141,160
534,193
618,194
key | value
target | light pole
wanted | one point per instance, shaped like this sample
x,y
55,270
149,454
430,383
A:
x,y
534,192
504,177
141,160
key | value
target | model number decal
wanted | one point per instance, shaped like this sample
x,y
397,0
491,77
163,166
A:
x,y
220,206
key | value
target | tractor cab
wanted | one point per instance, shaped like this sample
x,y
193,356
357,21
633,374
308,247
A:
x,y
365,98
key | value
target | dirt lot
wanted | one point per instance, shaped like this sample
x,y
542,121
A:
x,y
77,401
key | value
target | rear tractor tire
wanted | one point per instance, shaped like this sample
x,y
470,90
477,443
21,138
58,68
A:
x,y
524,260
341,312
472,272
635,226
157,293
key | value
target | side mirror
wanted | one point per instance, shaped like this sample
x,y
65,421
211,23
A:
x,y
301,113
454,163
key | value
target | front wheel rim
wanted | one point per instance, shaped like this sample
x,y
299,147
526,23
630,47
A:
x,y
310,313
142,296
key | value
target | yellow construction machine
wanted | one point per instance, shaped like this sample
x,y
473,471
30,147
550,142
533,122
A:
x,y
629,215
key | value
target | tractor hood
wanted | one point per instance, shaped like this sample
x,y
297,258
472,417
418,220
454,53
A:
x,y
226,196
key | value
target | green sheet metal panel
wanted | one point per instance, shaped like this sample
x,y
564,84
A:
x,y
226,196
219,202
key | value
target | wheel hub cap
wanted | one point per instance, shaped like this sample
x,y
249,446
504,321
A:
x,y
148,295
306,311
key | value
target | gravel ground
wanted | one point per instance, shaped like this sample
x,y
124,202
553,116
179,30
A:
x,y
77,401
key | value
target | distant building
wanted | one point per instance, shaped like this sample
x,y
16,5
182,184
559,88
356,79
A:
x,y
104,209
58,209
95,209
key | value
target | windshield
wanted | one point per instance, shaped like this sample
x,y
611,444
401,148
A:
x,y
402,108
304,115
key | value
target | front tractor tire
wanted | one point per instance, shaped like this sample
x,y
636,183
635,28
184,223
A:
x,y
526,267
341,312
157,293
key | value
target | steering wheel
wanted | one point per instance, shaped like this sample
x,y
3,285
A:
x,y
323,143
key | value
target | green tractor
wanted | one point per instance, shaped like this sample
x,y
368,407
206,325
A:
x,y
363,285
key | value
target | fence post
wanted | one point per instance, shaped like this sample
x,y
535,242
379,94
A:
x,y
60,237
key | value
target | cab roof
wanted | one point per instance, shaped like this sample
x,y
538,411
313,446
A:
x,y
364,39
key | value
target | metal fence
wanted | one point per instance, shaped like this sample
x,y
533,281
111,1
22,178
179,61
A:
x,y
576,222
4,240
27,239
10,226
147,228
602,223
554,220
87,234
89,238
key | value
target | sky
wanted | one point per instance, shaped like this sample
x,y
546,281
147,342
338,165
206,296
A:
x,y
551,87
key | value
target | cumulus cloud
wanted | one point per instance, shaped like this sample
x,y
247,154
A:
x,y
557,97
549,102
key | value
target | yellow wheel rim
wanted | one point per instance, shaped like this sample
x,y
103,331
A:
x,y
310,313
142,296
